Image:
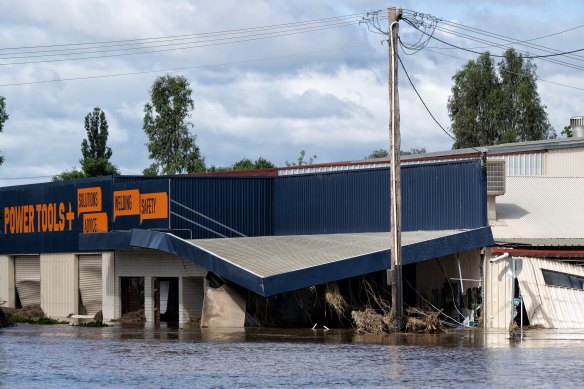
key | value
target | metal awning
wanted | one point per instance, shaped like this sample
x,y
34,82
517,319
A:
x,y
269,265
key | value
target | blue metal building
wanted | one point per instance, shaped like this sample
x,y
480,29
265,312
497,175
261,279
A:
x,y
267,234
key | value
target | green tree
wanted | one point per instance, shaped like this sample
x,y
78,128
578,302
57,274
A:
x,y
94,150
3,118
171,145
96,154
567,131
244,164
381,153
72,174
301,160
491,105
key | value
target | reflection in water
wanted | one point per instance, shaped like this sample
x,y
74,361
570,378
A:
x,y
63,356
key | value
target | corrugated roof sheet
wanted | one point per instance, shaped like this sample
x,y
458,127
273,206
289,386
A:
x,y
542,211
275,264
267,256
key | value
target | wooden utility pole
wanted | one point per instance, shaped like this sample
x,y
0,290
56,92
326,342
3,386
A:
x,y
395,170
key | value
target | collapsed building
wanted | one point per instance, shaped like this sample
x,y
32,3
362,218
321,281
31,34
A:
x,y
206,249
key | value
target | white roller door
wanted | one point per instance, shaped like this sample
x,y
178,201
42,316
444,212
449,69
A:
x,y
27,274
90,282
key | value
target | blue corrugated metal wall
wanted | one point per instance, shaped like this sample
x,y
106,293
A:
x,y
437,196
244,204
446,195
46,240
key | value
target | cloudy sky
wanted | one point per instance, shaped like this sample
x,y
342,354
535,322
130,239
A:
x,y
269,78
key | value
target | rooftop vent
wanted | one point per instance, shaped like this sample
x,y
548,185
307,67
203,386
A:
x,y
577,124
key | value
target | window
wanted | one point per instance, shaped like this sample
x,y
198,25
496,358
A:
x,y
564,280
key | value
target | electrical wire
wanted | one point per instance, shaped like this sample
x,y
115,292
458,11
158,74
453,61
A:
x,y
525,54
494,55
519,41
173,49
508,39
539,79
178,68
419,21
425,106
221,32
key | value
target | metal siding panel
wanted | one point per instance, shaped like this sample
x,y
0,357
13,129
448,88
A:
x,y
52,193
242,203
27,273
435,196
59,284
90,284
565,162
555,307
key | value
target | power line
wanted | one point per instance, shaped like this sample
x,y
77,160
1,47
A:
x,y
171,49
512,40
538,79
178,68
524,53
494,55
25,178
232,31
419,21
164,43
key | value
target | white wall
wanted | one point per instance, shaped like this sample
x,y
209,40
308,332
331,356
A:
x,y
498,289
429,275
59,285
151,264
108,286
7,281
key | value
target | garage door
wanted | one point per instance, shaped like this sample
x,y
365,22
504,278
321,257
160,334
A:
x,y
90,282
27,274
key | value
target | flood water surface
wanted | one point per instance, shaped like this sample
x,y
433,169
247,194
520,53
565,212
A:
x,y
64,356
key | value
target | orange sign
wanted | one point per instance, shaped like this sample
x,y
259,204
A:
x,y
88,200
153,206
95,223
51,217
126,202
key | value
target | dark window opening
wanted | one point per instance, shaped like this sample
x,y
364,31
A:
x,y
563,280
132,294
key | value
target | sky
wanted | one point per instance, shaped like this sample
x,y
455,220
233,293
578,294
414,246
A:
x,y
269,79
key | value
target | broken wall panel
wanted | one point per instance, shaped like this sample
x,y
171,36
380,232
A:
x,y
90,283
27,272
550,305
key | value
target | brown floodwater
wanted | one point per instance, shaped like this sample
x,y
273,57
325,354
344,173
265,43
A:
x,y
33,356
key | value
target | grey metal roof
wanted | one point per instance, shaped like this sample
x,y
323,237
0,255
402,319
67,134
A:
x,y
275,264
266,256
541,210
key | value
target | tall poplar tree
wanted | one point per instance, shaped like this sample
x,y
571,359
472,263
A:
x,y
171,145
493,105
94,150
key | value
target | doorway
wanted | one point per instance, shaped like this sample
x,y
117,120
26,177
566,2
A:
x,y
166,300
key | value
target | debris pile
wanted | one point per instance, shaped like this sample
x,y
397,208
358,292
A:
x,y
420,321
335,299
33,313
136,317
371,322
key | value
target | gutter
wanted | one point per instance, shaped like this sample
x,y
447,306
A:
x,y
539,253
